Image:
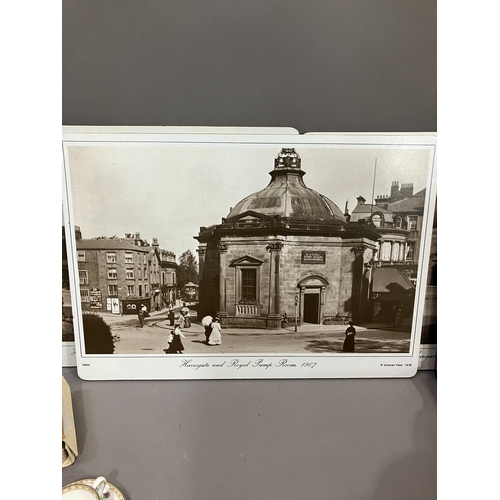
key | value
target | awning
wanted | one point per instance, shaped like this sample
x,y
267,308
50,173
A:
x,y
391,284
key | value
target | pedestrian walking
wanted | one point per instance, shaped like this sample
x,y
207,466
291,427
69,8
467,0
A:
x,y
171,317
216,334
185,312
175,343
398,317
182,320
284,321
140,316
393,316
350,333
207,324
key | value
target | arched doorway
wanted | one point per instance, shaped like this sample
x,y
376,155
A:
x,y
312,299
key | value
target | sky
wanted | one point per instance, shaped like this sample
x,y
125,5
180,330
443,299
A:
x,y
168,191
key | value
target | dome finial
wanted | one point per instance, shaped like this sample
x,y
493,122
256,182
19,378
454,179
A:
x,y
287,158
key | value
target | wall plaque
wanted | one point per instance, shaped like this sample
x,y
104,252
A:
x,y
309,257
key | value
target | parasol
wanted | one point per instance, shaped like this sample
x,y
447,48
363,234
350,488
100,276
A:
x,y
207,320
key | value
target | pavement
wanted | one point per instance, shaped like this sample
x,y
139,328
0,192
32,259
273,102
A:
x,y
309,338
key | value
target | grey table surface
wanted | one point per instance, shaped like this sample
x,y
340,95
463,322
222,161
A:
x,y
342,438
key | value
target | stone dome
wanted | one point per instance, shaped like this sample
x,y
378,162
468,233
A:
x,y
287,195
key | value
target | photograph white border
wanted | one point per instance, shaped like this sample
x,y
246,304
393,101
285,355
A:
x,y
261,365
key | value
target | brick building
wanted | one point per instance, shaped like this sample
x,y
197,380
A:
x,y
282,249
119,274
168,285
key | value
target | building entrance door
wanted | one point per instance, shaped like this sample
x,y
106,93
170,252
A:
x,y
311,308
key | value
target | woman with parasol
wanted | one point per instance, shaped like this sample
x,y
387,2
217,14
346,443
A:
x,y
207,324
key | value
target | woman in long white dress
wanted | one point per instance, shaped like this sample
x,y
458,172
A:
x,y
216,335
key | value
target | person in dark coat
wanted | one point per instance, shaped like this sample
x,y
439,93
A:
x,y
140,315
171,317
207,324
175,344
398,317
350,333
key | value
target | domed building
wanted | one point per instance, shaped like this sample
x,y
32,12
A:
x,y
282,250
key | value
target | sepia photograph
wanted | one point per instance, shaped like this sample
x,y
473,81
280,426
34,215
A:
x,y
68,333
428,340
241,253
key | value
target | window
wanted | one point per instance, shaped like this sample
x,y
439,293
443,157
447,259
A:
x,y
84,295
130,290
129,274
410,249
385,253
112,275
377,220
84,279
412,222
395,251
81,256
113,290
249,284
146,289
129,258
399,221
401,256
111,257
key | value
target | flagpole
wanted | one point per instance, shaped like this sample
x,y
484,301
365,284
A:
x,y
373,188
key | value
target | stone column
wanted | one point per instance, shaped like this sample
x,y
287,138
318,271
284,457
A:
x,y
274,317
222,280
358,274
201,261
368,273
321,304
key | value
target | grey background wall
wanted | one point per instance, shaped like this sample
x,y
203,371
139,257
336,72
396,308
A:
x,y
320,65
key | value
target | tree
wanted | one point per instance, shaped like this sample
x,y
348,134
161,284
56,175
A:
x,y
97,334
188,269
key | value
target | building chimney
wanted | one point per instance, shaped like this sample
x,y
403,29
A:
x,y
346,212
407,189
395,189
361,200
